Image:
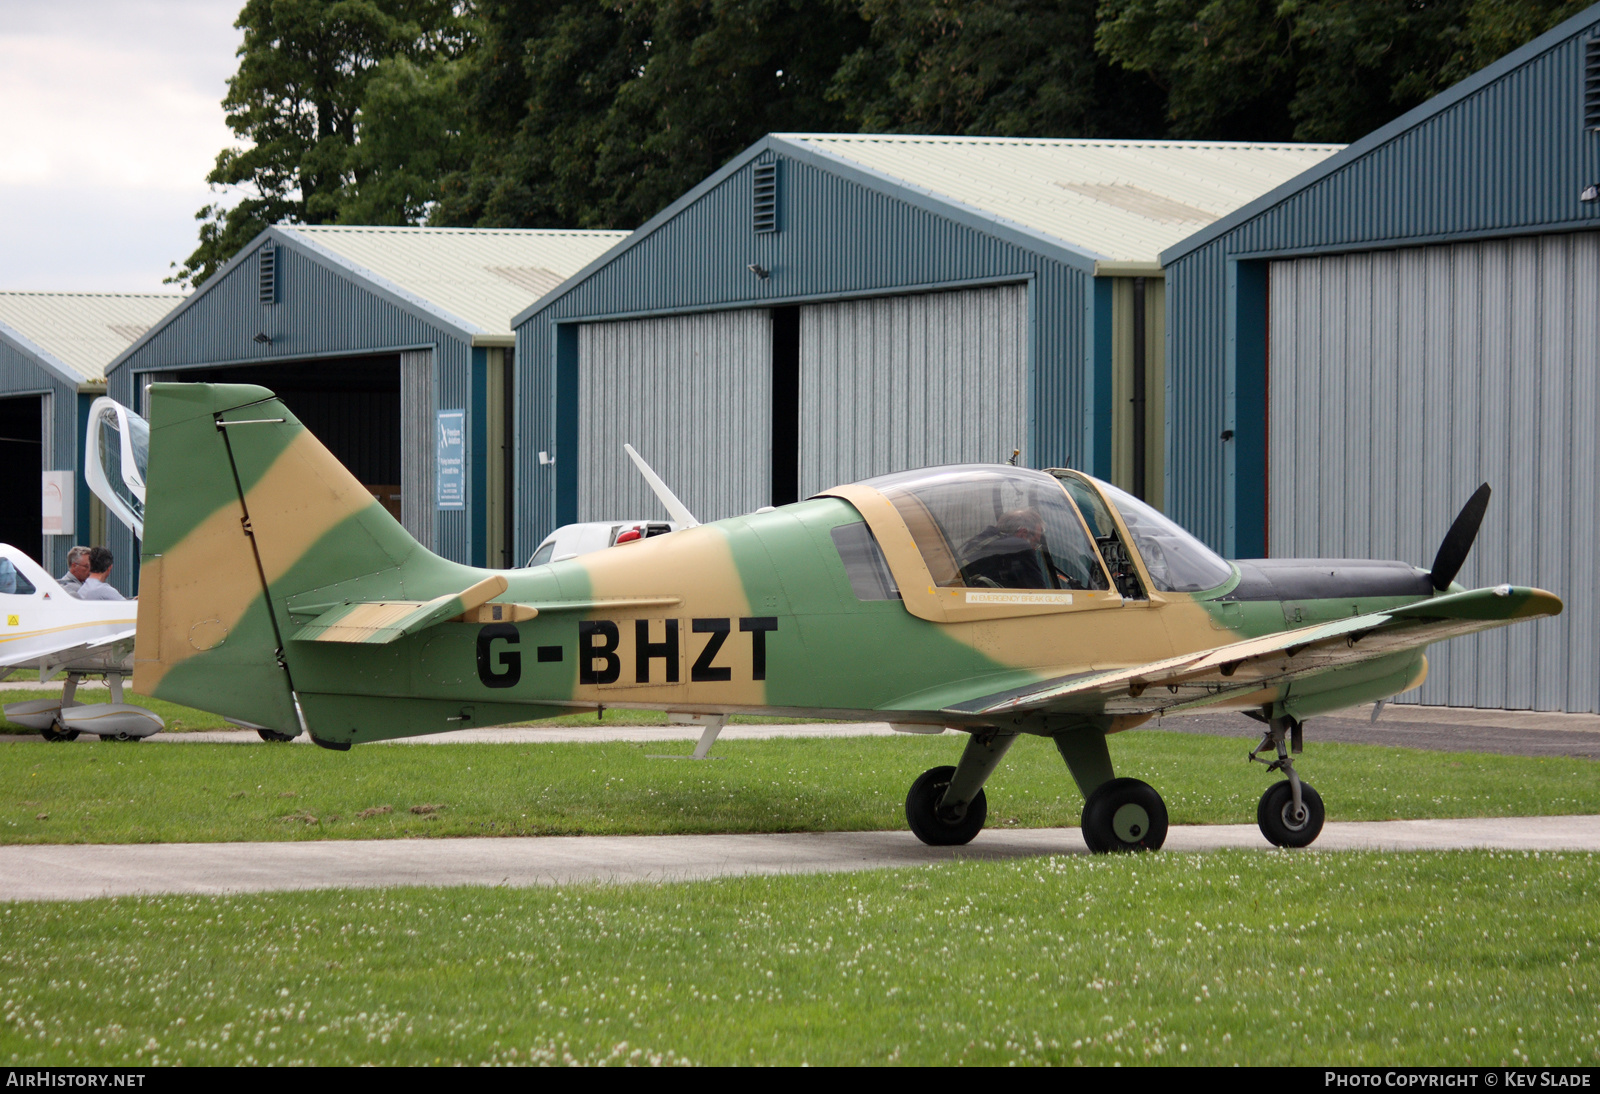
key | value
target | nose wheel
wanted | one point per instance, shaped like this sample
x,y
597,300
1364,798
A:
x,y
1283,823
1290,813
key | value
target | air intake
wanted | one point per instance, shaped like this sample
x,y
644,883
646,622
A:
x,y
267,269
765,207
1591,84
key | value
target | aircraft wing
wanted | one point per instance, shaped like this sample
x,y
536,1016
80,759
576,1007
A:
x,y
1210,676
70,649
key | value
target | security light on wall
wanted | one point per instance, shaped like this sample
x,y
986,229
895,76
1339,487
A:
x,y
1590,192
264,338
759,270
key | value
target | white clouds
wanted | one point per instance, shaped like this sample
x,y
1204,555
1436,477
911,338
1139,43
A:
x,y
110,118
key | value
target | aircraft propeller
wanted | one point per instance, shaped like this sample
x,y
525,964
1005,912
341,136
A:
x,y
1458,540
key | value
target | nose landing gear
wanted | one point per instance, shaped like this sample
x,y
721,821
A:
x,y
1290,813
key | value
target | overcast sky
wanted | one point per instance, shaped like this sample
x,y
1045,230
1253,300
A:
x,y
110,118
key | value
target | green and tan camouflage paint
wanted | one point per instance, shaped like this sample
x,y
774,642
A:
x,y
270,574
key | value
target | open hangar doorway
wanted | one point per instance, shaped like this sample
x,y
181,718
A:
x,y
22,458
351,405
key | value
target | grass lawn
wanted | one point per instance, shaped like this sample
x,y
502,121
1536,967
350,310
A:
x,y
1228,958
106,792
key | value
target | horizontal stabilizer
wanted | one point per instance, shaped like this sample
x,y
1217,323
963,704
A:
x,y
379,622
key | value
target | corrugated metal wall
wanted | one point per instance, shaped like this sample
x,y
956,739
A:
x,y
417,410
1507,156
321,312
838,237
693,395
21,374
890,383
1402,379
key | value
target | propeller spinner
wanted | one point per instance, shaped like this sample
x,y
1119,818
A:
x,y
1458,540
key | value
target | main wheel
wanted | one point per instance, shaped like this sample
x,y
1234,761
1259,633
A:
x,y
1124,815
923,815
55,733
1276,815
274,735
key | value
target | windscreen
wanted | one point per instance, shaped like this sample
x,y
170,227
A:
x,y
996,527
111,452
1177,562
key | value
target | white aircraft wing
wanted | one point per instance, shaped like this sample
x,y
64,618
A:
x,y
43,625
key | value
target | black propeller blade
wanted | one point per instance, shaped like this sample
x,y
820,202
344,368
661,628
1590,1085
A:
x,y
1458,540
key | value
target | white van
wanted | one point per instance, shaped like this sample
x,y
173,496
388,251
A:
x,y
572,540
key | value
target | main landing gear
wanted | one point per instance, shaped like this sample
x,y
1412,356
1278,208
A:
x,y
1290,813
946,806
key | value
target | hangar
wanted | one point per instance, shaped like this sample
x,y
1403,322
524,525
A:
x,y
827,307
54,349
381,339
1352,353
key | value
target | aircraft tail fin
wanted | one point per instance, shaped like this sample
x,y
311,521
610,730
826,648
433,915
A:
x,y
247,511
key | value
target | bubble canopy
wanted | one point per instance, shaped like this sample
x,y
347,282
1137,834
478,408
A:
x,y
994,526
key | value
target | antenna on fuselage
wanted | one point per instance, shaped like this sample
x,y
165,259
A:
x,y
678,511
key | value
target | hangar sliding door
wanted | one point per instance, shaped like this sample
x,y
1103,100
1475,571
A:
x,y
897,382
693,394
1400,380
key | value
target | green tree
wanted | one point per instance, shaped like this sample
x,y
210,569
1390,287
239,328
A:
x,y
296,101
589,115
991,68
1310,70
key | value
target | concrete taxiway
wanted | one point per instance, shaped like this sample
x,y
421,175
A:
x,y
85,871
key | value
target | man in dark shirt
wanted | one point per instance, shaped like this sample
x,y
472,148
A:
x,y
94,586
1006,555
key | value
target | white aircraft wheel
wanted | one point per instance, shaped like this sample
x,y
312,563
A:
x,y
1124,815
119,737
923,815
1278,822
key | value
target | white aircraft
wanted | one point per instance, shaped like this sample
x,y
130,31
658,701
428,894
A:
x,y
45,627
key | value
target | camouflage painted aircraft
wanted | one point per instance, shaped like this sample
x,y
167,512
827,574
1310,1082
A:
x,y
997,600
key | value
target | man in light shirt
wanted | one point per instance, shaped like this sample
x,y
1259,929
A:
x,y
77,570
94,586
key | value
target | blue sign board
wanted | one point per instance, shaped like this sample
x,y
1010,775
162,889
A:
x,y
450,468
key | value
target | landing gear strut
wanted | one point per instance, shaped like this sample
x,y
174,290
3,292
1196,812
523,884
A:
x,y
946,806
1118,814
1290,813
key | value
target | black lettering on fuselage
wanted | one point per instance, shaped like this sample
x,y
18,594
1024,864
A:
x,y
645,651
510,662
758,628
600,656
703,671
597,641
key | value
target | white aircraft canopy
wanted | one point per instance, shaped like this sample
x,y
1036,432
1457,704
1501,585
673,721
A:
x,y
116,454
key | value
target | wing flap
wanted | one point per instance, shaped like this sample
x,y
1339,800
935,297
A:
x,y
1210,676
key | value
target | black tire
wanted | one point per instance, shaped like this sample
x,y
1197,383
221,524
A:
x,y
56,733
1124,815
1275,815
927,825
274,735
127,738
